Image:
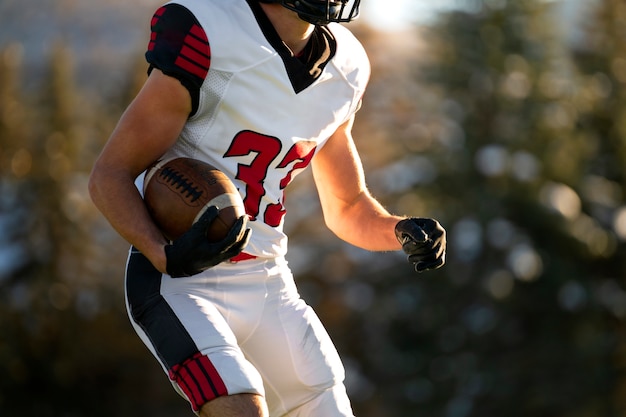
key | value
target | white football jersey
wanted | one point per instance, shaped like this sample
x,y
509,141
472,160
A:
x,y
260,114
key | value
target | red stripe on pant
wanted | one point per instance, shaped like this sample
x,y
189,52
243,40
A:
x,y
199,380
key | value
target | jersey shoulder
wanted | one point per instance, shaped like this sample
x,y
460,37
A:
x,y
179,47
236,40
351,58
178,44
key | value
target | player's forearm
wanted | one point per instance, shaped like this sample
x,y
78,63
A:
x,y
119,201
364,223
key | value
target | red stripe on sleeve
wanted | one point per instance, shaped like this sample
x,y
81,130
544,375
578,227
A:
x,y
191,67
157,15
198,32
194,56
199,45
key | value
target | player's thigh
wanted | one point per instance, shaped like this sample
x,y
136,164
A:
x,y
238,405
293,352
332,402
188,334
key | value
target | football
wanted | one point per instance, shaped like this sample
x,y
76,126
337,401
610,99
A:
x,y
178,191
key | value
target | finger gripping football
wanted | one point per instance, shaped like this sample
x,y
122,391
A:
x,y
178,191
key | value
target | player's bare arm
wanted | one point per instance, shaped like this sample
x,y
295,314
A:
x,y
355,216
149,127
349,209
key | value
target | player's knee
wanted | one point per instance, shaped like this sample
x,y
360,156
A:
x,y
237,405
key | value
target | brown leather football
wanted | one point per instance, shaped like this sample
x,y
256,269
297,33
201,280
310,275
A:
x,y
178,191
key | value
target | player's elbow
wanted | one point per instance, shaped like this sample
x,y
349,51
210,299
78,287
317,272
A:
x,y
341,216
93,185
97,185
332,224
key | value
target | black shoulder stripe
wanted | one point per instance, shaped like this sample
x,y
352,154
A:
x,y
179,47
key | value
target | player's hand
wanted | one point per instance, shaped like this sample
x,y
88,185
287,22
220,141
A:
x,y
193,253
424,241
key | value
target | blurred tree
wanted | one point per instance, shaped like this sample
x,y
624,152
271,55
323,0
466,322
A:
x,y
490,129
66,347
518,323
601,62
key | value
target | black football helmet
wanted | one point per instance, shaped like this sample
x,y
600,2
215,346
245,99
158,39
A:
x,y
322,12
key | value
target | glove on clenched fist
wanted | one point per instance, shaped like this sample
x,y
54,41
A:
x,y
193,253
424,241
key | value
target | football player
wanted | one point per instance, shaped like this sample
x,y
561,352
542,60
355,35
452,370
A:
x,y
261,89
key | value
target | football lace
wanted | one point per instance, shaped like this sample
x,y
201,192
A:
x,y
180,183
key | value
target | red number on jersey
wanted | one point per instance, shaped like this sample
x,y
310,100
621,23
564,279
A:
x,y
267,149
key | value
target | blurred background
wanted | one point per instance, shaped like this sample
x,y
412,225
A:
x,y
504,119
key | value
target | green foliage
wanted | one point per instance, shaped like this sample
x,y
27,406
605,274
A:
x,y
67,348
526,159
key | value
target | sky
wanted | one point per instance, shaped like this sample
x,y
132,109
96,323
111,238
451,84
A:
x,y
400,14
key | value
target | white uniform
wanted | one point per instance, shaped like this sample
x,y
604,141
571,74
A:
x,y
260,115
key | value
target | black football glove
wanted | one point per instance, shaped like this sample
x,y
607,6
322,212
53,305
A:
x,y
424,241
193,253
